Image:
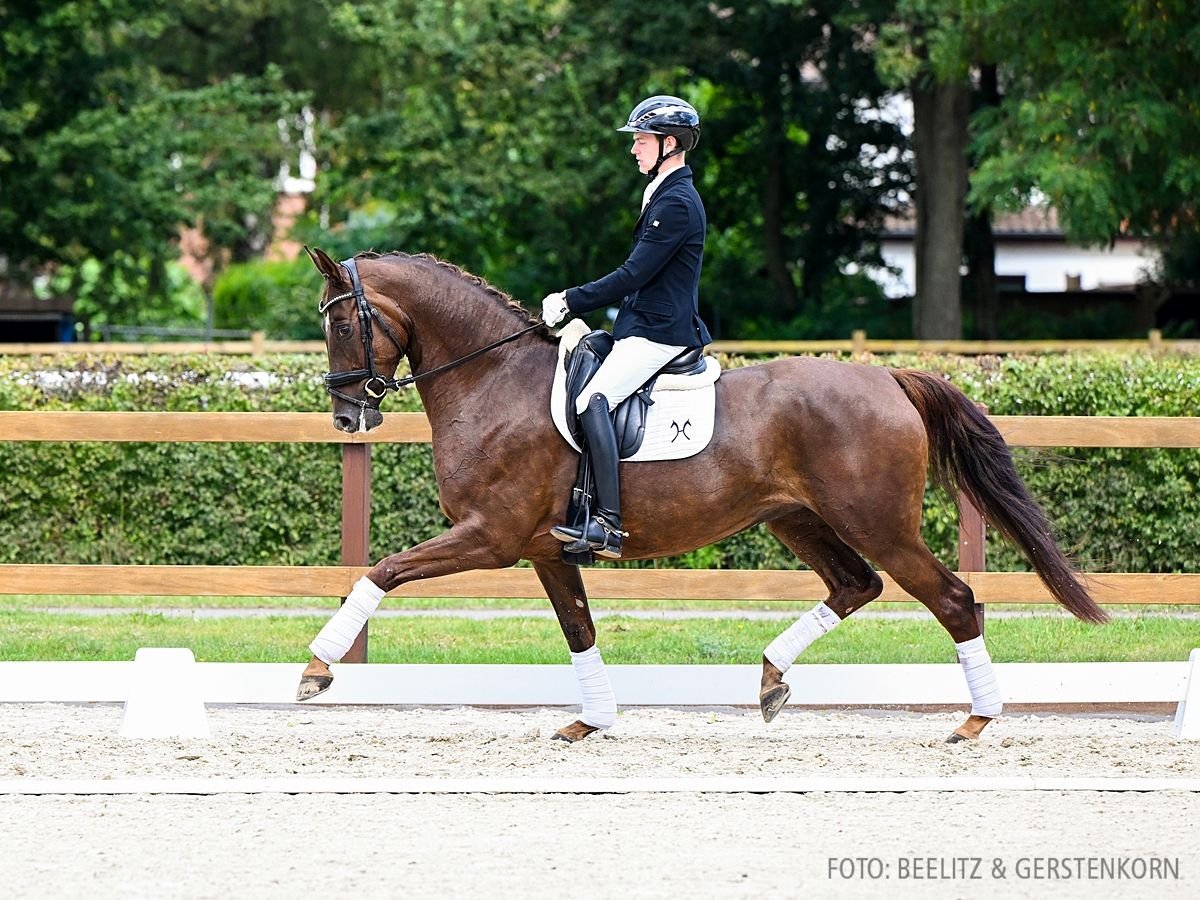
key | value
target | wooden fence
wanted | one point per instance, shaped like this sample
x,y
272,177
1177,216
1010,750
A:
x,y
601,582
858,343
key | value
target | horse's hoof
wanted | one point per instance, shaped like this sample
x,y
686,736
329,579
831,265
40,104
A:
x,y
574,732
772,699
312,685
969,730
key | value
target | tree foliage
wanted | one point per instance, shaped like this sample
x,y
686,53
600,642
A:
x,y
491,140
483,131
105,159
1101,118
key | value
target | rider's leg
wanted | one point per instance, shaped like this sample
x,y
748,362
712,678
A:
x,y
632,362
602,531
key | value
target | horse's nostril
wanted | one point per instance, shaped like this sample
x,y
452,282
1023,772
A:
x,y
343,423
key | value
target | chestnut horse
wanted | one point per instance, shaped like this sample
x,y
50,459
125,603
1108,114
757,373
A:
x,y
832,457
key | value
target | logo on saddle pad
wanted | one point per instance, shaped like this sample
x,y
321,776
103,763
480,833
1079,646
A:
x,y
678,420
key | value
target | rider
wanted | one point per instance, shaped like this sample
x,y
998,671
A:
x,y
657,288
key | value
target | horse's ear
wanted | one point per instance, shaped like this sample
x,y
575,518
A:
x,y
324,264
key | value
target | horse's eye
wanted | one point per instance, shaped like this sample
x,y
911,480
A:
x,y
343,330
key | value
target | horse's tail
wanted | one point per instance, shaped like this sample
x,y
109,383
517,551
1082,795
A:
x,y
967,453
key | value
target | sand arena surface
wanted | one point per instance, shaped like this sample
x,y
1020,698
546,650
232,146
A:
x,y
81,741
625,845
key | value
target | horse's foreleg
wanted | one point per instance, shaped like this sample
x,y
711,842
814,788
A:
x,y
335,639
460,549
564,587
851,583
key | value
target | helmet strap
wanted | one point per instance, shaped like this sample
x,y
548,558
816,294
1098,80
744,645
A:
x,y
663,157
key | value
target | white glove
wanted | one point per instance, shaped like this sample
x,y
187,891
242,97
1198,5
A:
x,y
554,308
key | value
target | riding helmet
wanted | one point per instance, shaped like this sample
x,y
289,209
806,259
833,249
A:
x,y
666,115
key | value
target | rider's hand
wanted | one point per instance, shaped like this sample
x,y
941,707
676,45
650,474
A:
x,y
554,308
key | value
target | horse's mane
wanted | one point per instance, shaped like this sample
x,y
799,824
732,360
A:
x,y
495,293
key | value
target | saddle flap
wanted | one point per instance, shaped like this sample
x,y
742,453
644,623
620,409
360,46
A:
x,y
582,362
629,418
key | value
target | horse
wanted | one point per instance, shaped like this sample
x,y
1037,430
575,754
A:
x,y
831,456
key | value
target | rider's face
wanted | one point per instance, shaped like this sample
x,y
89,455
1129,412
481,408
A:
x,y
645,150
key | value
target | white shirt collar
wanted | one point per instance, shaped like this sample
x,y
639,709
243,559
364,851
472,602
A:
x,y
653,186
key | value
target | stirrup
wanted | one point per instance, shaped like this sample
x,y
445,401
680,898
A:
x,y
600,537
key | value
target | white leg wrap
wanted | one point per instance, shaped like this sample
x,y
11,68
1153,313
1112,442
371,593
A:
x,y
782,651
981,679
339,632
599,701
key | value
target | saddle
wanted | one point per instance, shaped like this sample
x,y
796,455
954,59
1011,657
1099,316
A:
x,y
629,418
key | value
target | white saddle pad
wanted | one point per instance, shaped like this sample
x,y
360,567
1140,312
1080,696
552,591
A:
x,y
680,422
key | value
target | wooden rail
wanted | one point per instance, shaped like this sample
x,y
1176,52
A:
x,y
602,583
857,343
413,428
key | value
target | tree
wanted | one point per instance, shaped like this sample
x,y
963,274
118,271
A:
x,y
104,160
488,137
1101,119
928,48
799,167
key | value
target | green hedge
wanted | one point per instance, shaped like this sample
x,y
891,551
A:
x,y
279,504
278,298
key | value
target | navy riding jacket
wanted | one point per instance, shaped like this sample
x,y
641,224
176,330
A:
x,y
658,286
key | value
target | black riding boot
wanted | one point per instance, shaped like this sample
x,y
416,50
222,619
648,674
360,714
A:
x,y
602,531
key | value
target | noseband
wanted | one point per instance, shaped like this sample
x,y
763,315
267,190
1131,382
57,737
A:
x,y
376,385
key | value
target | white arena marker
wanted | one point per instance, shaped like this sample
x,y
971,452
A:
x,y
164,697
1187,714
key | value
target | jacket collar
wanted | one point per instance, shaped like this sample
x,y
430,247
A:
x,y
677,175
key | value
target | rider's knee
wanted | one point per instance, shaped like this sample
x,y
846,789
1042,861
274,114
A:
x,y
595,401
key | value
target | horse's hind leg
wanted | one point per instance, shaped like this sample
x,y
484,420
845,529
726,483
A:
x,y
851,582
564,587
953,604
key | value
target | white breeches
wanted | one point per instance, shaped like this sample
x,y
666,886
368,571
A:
x,y
632,362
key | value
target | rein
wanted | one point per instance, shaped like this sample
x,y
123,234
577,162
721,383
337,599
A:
x,y
376,385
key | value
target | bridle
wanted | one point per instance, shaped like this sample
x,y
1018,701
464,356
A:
x,y
376,386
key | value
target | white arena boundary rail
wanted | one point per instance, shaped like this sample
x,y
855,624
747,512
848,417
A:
x,y
165,691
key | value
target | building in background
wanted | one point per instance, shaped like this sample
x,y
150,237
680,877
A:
x,y
26,318
1032,255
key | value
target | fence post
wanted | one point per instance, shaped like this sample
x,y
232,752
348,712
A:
x,y
356,524
858,342
972,539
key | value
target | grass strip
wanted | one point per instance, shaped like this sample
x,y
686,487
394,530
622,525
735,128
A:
x,y
67,636
21,602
